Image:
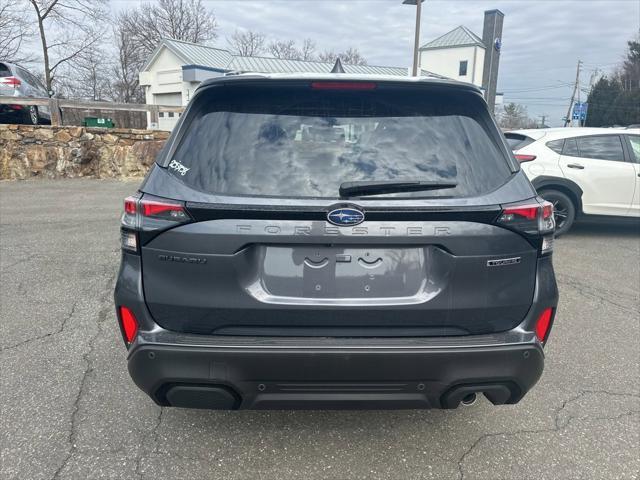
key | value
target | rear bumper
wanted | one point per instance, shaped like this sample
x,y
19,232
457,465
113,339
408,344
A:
x,y
231,373
225,372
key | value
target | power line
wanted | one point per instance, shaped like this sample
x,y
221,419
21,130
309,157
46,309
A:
x,y
538,89
563,98
608,106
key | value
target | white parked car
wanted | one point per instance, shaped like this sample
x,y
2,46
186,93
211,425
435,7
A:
x,y
582,171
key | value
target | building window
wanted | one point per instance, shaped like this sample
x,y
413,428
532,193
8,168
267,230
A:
x,y
462,71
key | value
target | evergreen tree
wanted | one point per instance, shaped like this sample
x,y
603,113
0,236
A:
x,y
600,100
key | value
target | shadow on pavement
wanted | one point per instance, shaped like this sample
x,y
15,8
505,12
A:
x,y
624,228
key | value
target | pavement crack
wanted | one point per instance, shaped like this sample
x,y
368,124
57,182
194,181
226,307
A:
x,y
558,424
151,434
587,292
59,330
26,259
89,368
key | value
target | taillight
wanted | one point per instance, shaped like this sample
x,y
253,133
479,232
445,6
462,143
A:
x,y
534,219
14,81
524,158
543,324
131,205
148,214
343,85
164,210
128,323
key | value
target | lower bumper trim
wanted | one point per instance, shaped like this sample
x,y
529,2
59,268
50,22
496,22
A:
x,y
295,378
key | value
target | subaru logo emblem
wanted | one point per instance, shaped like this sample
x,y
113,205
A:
x,y
345,216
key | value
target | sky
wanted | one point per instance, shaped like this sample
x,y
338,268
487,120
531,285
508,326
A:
x,y
542,40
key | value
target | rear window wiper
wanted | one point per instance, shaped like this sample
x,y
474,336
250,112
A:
x,y
353,189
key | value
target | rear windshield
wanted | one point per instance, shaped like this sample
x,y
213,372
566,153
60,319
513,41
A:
x,y
302,142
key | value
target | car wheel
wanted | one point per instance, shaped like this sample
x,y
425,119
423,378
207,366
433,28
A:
x,y
564,209
31,115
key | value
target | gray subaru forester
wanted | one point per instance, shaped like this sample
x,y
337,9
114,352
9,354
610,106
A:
x,y
334,241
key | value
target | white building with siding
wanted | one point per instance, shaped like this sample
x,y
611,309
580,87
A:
x,y
458,54
176,68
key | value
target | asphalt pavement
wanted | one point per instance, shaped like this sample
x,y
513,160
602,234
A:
x,y
70,411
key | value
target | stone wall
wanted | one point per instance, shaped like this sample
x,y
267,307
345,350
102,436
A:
x,y
64,152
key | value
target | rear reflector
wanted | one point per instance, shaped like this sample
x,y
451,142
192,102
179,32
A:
x,y
543,324
343,85
129,324
524,158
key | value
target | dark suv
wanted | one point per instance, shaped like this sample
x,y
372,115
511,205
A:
x,y
335,242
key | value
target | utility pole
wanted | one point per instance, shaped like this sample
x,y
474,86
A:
x,y
544,117
573,95
416,42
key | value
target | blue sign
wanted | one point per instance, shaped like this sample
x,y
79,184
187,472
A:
x,y
580,111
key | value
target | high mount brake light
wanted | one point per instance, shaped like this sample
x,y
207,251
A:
x,y
524,158
532,219
145,214
15,81
343,85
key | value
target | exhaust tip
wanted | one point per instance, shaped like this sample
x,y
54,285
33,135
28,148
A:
x,y
469,399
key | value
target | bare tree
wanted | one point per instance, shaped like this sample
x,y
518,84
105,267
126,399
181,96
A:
x,y
350,57
353,57
127,65
308,50
138,31
89,76
14,30
285,49
246,43
67,29
186,20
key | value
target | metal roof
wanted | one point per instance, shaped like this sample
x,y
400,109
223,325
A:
x,y
200,54
279,65
193,54
458,37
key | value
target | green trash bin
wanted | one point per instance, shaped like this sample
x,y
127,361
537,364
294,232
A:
x,y
98,122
